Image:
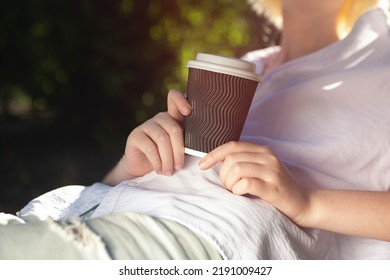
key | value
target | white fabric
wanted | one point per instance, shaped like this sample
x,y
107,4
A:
x,y
326,115
64,202
240,227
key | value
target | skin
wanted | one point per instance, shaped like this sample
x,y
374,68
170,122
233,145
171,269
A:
x,y
157,145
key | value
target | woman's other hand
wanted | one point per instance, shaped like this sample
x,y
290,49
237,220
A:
x,y
254,169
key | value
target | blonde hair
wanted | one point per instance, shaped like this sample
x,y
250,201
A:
x,y
349,13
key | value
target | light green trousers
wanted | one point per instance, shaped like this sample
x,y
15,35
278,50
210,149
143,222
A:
x,y
119,236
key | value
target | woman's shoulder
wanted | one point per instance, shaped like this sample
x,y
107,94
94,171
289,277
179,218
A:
x,y
260,56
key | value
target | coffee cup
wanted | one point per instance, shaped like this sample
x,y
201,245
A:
x,y
220,90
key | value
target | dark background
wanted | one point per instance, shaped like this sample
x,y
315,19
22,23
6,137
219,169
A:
x,y
77,76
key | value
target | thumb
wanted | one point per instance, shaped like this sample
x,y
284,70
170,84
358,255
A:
x,y
178,105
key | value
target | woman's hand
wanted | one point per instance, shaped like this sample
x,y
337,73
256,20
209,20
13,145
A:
x,y
155,145
253,169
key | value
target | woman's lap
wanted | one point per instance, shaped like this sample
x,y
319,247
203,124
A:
x,y
119,236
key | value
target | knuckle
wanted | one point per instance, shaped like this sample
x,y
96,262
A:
x,y
134,135
267,150
176,130
150,148
172,96
237,168
162,138
160,115
171,92
229,159
233,145
246,183
272,160
261,149
272,184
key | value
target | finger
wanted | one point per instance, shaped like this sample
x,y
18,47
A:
x,y
140,141
162,140
175,133
178,106
178,149
242,157
219,154
241,170
251,186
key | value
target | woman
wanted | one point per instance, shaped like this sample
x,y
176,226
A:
x,y
352,195
308,148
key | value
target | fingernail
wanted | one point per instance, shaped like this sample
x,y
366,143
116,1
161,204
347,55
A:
x,y
186,110
168,173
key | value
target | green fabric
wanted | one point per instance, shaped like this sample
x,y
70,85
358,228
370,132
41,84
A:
x,y
43,240
137,236
119,236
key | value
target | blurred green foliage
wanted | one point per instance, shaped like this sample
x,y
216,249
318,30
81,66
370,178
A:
x,y
104,66
76,76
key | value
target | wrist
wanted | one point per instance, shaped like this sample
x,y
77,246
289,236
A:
x,y
123,171
313,212
118,174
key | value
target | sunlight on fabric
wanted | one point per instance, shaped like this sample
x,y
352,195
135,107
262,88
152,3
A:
x,y
332,85
362,57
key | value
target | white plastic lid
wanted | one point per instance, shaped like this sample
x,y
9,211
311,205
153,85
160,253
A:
x,y
226,65
195,153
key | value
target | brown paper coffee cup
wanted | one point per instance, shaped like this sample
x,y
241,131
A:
x,y
220,91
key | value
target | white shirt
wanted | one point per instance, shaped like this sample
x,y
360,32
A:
x,y
326,115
